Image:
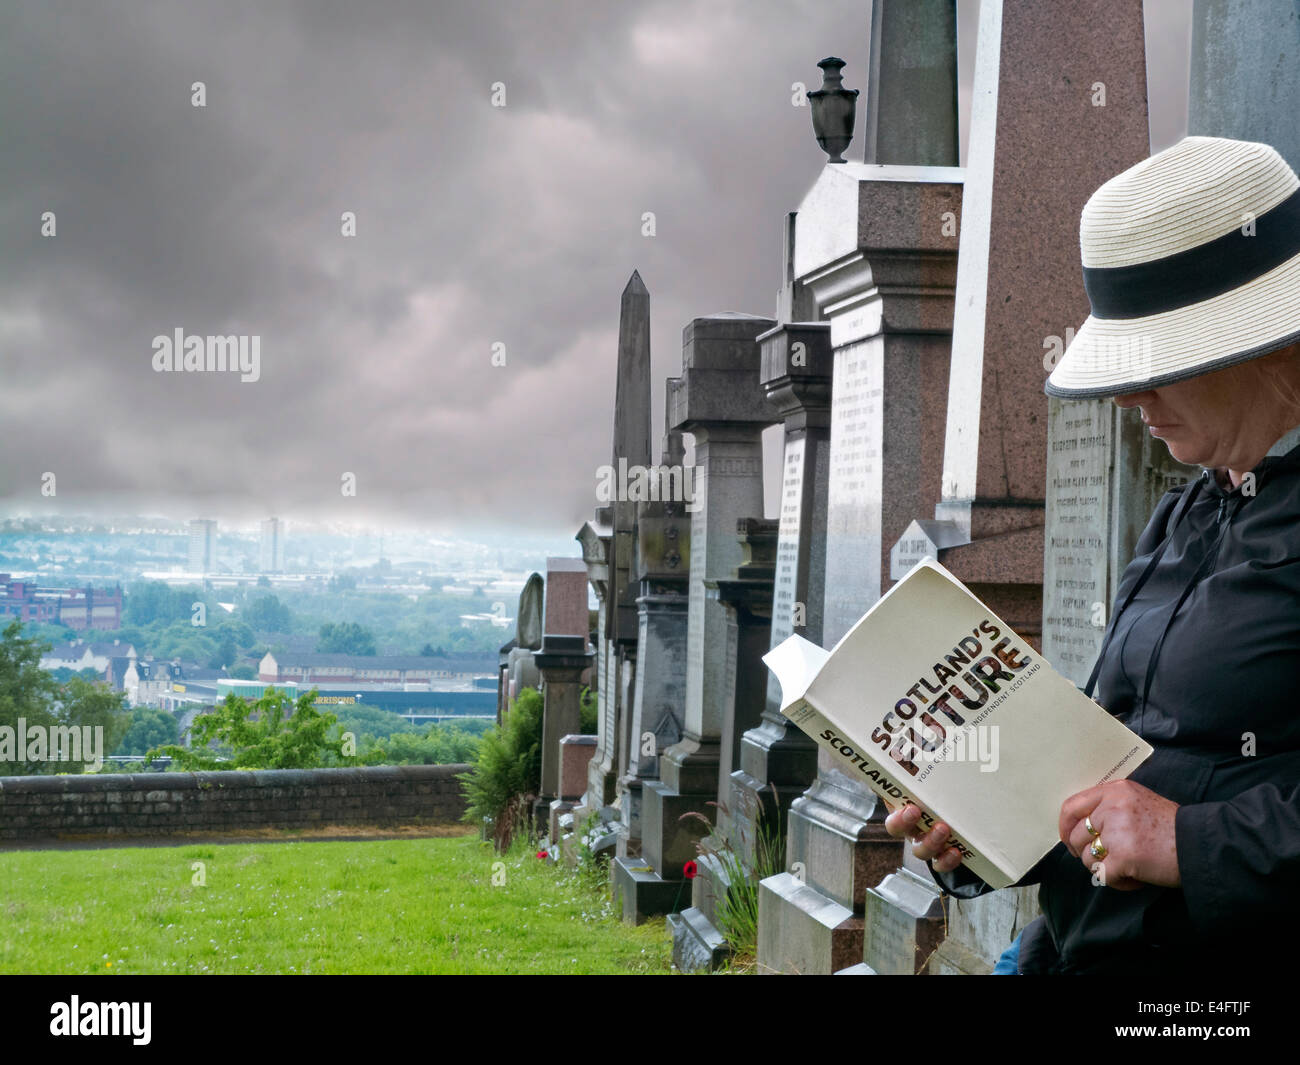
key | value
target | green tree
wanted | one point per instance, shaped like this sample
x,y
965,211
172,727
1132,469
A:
x,y
267,614
30,693
224,655
345,638
94,703
148,602
149,727
272,733
26,691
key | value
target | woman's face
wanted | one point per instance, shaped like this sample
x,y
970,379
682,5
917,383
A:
x,y
1212,420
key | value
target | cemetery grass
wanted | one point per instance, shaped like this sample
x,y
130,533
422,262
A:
x,y
377,906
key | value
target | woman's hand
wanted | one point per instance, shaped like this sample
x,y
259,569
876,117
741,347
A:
x,y
928,846
1133,824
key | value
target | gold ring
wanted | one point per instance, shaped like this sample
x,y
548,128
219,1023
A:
x,y
1098,849
1087,823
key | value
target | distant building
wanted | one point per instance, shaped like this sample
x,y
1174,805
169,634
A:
x,y
403,672
76,608
100,657
272,557
203,542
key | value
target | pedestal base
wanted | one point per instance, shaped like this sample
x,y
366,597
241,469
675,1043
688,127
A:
x,y
905,921
668,841
629,827
801,931
557,809
641,893
697,945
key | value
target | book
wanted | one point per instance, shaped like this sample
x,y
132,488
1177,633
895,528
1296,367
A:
x,y
932,699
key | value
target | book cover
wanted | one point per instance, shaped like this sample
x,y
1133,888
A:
x,y
932,699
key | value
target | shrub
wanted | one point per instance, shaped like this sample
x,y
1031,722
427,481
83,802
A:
x,y
508,770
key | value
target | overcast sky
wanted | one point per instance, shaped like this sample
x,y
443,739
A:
x,y
475,226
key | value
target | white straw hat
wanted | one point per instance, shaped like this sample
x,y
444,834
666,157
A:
x,y
1191,260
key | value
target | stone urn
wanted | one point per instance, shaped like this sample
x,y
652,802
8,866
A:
x,y
833,108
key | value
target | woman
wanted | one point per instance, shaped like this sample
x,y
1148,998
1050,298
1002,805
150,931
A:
x,y
1192,265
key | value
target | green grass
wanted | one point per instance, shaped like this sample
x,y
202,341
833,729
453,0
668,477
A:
x,y
379,906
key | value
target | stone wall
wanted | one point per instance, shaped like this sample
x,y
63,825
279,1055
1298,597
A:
x,y
160,804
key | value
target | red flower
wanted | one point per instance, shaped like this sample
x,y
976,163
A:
x,y
541,854
690,870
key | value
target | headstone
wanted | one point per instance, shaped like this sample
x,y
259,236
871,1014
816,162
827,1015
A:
x,y
912,84
631,451
503,679
747,599
720,402
777,759
882,265
658,704
595,536
562,659
1244,78
1105,474
575,755
528,618
658,701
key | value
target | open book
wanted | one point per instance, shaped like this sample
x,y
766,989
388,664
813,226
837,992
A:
x,y
932,699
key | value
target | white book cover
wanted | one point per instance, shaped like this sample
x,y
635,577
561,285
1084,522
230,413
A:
x,y
932,699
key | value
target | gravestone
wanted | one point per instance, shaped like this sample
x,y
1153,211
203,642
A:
x,y
1245,78
609,547
1105,474
562,659
658,704
873,245
594,537
719,401
747,600
777,759
631,450
528,617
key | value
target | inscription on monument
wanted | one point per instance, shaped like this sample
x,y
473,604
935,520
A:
x,y
1075,573
695,606
854,493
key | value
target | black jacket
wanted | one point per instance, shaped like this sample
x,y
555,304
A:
x,y
1204,663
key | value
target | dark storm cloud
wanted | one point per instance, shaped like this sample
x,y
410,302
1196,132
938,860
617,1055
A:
x,y
475,226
